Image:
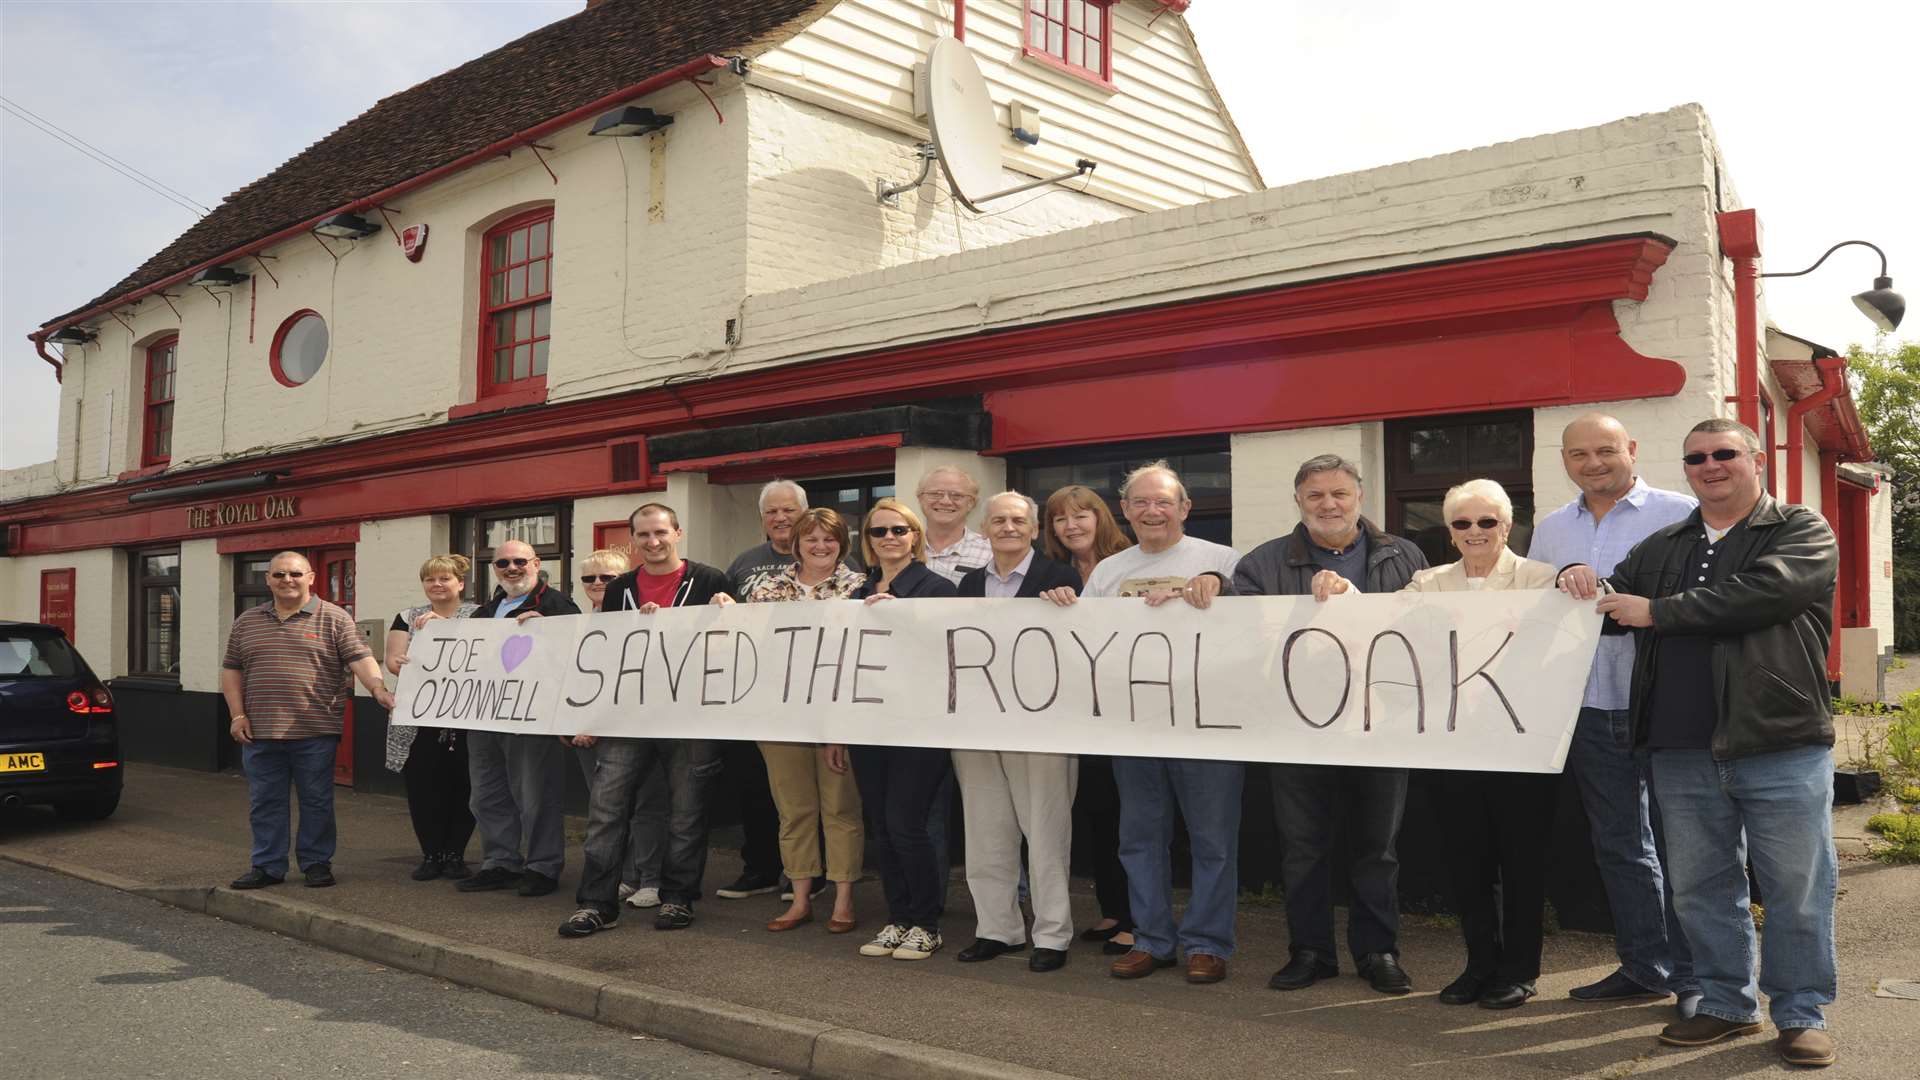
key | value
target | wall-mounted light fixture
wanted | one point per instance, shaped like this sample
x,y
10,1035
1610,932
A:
x,y
217,275
630,120
72,335
1881,304
346,227
227,486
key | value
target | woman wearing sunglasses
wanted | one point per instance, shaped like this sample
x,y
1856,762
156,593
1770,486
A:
x,y
899,783
433,762
813,785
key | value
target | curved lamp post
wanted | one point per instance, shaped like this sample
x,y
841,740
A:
x,y
1880,303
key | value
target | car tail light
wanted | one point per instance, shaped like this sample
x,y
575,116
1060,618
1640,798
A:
x,y
96,700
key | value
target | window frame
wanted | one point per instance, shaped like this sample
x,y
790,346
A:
x,y
1103,76
142,582
486,387
1403,486
287,324
469,533
150,406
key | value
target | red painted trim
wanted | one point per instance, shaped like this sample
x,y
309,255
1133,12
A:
x,y
290,539
779,454
1830,509
1740,241
488,388
529,392
141,473
149,457
1102,78
57,610
602,530
1856,557
1833,380
960,19
279,338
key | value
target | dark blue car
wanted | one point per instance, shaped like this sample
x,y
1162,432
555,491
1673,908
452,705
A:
x,y
59,737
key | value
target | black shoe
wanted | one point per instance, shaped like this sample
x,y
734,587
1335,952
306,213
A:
x,y
1114,948
489,879
1383,972
535,883
454,868
1615,987
1047,960
1124,926
319,875
673,917
428,869
1465,990
986,949
1303,970
255,878
589,921
1506,995
749,885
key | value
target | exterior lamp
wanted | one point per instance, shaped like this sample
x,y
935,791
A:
x,y
346,227
630,120
217,275
1881,304
71,335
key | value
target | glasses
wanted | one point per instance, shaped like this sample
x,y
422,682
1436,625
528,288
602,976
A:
x,y
1462,524
878,531
1699,457
945,496
502,564
595,579
282,575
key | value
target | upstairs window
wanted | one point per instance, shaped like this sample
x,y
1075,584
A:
x,y
156,438
516,290
1073,34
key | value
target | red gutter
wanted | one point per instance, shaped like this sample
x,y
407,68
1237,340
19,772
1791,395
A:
x,y
1740,241
40,346
1833,380
687,70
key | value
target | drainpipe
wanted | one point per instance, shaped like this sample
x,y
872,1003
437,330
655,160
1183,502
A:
x,y
1830,509
40,346
1833,379
1740,241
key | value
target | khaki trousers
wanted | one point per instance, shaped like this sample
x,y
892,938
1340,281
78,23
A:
x,y
1006,796
811,799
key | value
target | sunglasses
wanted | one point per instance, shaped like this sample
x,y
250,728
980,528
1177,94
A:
x,y
282,575
595,579
1462,524
1699,457
878,531
502,564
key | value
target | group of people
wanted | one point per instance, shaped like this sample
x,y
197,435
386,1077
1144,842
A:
x,y
1703,741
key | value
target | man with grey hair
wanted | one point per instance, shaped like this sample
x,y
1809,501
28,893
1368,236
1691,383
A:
x,y
1333,538
947,495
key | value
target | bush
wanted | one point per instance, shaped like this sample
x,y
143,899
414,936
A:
x,y
1902,833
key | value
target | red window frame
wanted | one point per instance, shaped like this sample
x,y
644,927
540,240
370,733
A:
x,y
1040,20
538,306
156,432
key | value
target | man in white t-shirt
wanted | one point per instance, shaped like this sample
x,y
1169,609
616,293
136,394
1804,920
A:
x,y
1168,564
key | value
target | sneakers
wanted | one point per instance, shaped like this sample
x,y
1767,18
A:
x,y
887,940
919,944
586,922
646,897
626,890
748,884
489,879
673,917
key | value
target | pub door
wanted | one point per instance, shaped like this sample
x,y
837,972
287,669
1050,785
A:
x,y
333,582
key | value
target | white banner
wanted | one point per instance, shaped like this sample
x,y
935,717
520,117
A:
x,y
1449,681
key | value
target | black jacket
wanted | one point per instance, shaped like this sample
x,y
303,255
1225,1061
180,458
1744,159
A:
x,y
546,601
1042,574
1284,566
1769,611
914,583
700,585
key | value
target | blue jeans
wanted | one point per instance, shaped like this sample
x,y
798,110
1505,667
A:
x,y
274,765
1624,819
1777,809
620,768
1207,794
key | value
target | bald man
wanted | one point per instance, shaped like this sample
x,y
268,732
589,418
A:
x,y
1614,511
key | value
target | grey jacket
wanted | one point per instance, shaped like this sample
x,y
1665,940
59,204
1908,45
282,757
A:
x,y
1284,566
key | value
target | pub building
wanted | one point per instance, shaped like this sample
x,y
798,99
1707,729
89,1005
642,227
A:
x,y
600,266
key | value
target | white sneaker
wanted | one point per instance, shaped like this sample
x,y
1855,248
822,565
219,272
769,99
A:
x,y
884,943
644,898
626,890
918,945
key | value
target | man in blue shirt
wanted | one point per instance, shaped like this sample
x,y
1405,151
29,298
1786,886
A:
x,y
1614,511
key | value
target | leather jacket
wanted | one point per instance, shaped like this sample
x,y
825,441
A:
x,y
1769,610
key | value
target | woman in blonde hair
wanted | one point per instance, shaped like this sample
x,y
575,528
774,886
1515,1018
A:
x,y
433,761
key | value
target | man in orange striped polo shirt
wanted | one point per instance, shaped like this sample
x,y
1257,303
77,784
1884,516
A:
x,y
285,681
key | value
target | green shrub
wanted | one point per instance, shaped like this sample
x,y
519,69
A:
x,y
1902,833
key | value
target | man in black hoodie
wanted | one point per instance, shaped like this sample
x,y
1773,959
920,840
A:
x,y
663,579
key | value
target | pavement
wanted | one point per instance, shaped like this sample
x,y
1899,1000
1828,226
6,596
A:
x,y
805,1002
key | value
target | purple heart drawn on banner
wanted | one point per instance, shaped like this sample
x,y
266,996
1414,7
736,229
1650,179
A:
x,y
515,650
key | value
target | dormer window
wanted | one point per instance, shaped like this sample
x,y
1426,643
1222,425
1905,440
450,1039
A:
x,y
1076,35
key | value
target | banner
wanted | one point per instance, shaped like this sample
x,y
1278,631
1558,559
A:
x,y
1428,680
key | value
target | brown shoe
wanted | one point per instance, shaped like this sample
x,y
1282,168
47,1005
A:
x,y
1809,1048
784,923
1139,964
1702,1029
841,926
1203,968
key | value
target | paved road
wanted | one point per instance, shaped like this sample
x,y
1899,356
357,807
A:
x,y
95,982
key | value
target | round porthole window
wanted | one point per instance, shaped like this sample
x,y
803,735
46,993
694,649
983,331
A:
x,y
299,348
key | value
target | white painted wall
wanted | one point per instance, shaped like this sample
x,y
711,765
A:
x,y
100,611
911,464
1263,465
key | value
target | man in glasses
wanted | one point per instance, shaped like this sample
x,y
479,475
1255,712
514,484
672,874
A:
x,y
1732,613
1333,538
518,780
946,497
285,681
1615,510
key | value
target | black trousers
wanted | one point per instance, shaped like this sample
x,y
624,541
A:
x,y
1307,802
1497,827
759,818
1096,832
437,791
898,785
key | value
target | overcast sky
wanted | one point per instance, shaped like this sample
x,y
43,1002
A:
x,y
1814,106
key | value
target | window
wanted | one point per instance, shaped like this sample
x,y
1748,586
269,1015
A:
x,y
543,528
156,613
1427,456
1205,466
850,497
516,288
1073,34
156,441
250,588
299,348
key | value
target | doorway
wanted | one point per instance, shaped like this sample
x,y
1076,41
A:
x,y
333,581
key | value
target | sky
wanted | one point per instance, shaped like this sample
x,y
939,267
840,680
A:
x,y
1814,106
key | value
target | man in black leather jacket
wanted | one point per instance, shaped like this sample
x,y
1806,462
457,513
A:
x,y
1732,610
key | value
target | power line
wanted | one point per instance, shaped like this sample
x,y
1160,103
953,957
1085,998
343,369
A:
x,y
49,128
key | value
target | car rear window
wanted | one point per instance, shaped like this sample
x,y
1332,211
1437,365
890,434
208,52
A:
x,y
35,656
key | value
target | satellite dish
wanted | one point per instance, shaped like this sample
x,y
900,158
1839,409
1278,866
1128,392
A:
x,y
967,136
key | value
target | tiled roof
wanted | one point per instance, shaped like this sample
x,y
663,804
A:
x,y
549,72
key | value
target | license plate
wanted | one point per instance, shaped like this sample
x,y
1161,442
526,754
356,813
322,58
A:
x,y
23,763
